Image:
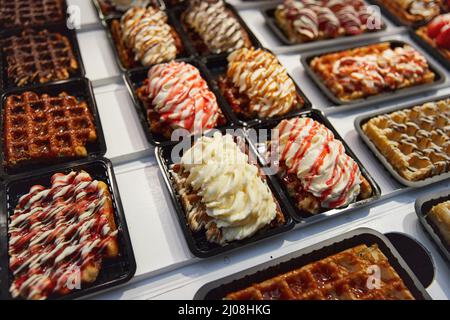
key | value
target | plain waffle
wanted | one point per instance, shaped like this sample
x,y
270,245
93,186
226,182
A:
x,y
415,141
41,127
38,57
19,13
344,276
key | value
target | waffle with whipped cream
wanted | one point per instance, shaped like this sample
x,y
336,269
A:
x,y
222,193
343,276
314,166
415,141
372,70
256,85
413,11
144,37
213,28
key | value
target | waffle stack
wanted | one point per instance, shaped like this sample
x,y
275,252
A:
x,y
38,57
344,276
42,127
415,141
20,13
440,217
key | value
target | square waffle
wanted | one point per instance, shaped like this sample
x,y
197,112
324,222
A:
x,y
415,141
343,276
440,217
400,9
20,13
65,247
423,33
41,127
38,57
372,70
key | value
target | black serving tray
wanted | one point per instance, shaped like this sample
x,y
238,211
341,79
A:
x,y
6,84
269,16
187,52
79,88
178,11
135,78
423,205
114,272
196,241
430,49
361,120
303,218
217,66
218,289
114,12
365,102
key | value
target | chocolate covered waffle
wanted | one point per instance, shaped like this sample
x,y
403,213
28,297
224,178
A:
x,y
21,13
439,215
371,70
256,85
413,11
60,236
314,167
38,57
222,193
143,36
415,141
343,276
305,21
39,128
213,28
177,97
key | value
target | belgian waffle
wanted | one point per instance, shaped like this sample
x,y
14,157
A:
x,y
440,217
19,13
42,127
403,9
344,276
415,141
60,236
38,57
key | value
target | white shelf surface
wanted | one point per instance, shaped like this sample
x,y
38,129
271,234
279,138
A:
x,y
89,17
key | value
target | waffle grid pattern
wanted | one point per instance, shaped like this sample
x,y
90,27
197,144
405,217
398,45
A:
x,y
19,13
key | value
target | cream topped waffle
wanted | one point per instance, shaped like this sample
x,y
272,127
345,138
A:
x,y
343,276
440,216
143,35
314,167
214,28
371,70
60,234
257,85
177,97
311,20
415,141
413,11
222,192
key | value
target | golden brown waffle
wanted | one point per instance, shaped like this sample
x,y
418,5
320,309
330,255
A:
x,y
399,8
344,276
41,127
423,33
20,13
38,57
440,217
416,141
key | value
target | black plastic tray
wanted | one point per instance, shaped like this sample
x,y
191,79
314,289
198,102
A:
x,y
305,219
134,80
361,120
430,49
177,12
59,28
217,66
423,205
218,289
114,272
187,52
80,88
196,241
64,19
269,16
383,97
114,12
